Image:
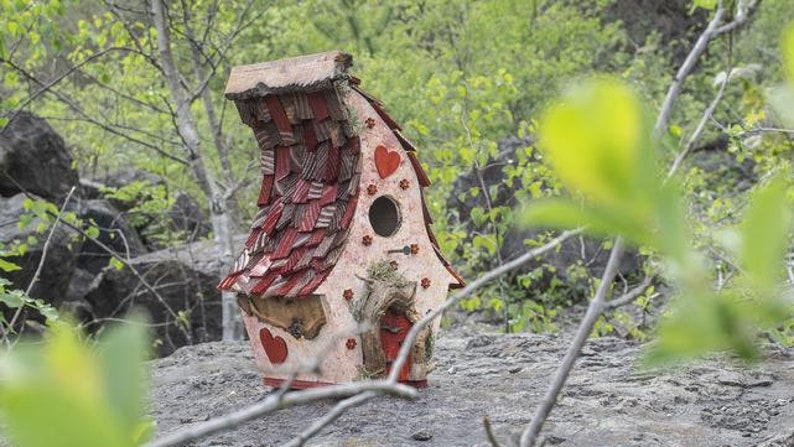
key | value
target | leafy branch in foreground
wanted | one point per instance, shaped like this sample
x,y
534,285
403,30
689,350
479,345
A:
x,y
602,149
87,395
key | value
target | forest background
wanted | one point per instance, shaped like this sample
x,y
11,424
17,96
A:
x,y
468,80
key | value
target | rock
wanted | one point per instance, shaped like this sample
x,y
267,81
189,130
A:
x,y
114,232
60,262
185,278
605,403
422,436
34,159
186,216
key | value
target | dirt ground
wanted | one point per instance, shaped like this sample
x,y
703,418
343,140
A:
x,y
605,403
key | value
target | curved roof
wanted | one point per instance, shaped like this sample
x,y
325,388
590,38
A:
x,y
311,165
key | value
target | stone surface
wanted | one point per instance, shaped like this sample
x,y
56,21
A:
x,y
607,400
34,159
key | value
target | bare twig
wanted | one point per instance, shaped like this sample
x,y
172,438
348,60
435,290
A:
x,y
707,115
277,402
330,417
530,436
686,68
629,295
486,422
86,117
44,251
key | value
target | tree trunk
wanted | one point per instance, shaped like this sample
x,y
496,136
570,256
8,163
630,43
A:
x,y
219,217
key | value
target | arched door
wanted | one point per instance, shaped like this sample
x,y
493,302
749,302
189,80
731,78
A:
x,y
394,327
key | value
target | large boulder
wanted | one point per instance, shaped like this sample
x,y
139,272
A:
x,y
187,305
114,232
60,261
34,159
187,217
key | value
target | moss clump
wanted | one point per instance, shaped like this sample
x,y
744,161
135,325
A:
x,y
385,272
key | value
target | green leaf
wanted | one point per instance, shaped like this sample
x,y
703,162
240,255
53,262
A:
x,y
52,394
116,263
121,358
597,139
705,4
702,324
764,234
12,300
787,47
564,214
8,266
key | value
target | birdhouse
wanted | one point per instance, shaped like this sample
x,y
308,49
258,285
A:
x,y
340,262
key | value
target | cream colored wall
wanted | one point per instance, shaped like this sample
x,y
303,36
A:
x,y
340,363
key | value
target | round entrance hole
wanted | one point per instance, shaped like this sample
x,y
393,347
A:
x,y
384,216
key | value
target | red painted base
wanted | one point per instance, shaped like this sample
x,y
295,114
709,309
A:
x,y
304,384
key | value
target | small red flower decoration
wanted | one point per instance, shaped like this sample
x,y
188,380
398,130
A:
x,y
372,190
404,183
394,265
425,282
414,249
366,240
351,343
369,122
348,294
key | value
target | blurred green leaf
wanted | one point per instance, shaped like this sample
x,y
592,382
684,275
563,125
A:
x,y
787,47
595,137
565,214
705,4
122,358
11,299
702,324
764,234
64,393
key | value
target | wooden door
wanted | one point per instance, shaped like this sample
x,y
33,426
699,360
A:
x,y
394,327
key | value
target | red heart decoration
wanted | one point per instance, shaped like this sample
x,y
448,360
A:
x,y
386,161
275,347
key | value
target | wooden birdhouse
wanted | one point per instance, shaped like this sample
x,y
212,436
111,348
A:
x,y
340,261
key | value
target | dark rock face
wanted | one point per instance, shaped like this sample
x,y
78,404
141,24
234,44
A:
x,y
186,216
59,265
114,232
674,20
185,280
33,158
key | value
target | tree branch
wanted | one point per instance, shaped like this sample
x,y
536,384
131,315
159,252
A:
x,y
530,436
280,401
629,296
44,251
686,68
77,109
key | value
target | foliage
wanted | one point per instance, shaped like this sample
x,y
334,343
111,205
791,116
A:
x,y
87,395
598,140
